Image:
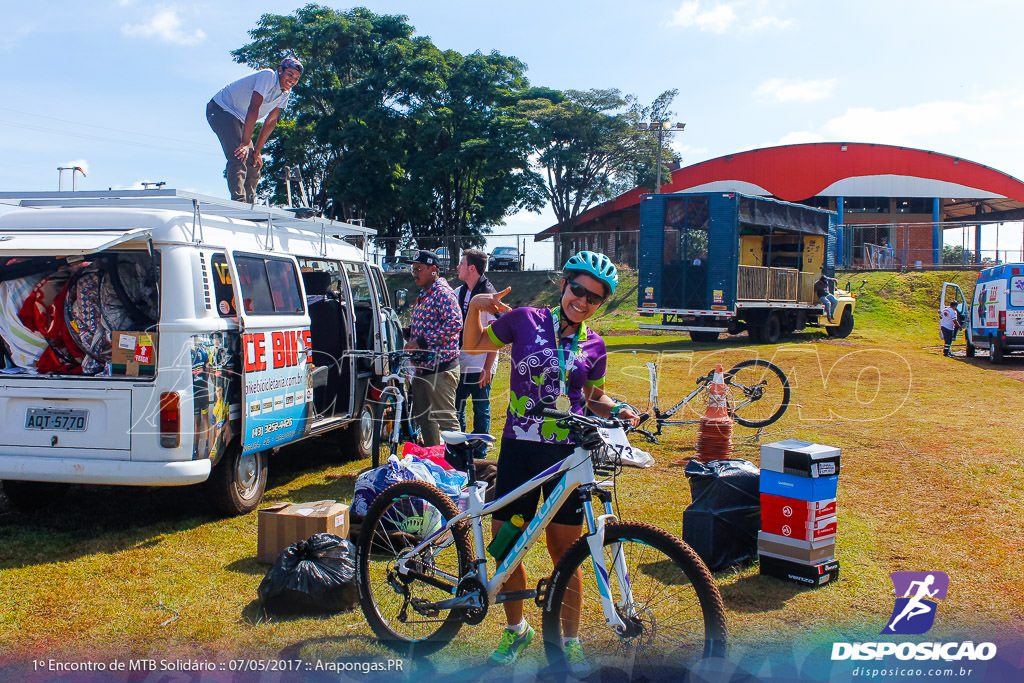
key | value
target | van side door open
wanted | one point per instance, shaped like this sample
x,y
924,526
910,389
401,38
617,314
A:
x,y
277,390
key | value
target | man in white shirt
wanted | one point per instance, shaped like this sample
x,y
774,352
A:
x,y
233,113
948,325
476,369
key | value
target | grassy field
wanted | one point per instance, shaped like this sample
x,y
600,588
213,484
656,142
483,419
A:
x,y
932,479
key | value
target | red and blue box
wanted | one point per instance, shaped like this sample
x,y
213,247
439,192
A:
x,y
798,486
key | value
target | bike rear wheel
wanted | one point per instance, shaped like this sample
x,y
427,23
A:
x,y
400,518
677,619
764,385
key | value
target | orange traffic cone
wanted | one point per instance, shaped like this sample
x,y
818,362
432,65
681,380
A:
x,y
714,439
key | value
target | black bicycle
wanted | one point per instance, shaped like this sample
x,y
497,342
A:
x,y
757,394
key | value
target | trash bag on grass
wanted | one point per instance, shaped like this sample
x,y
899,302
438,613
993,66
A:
x,y
312,576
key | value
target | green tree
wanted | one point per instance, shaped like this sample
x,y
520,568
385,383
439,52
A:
x,y
421,144
590,149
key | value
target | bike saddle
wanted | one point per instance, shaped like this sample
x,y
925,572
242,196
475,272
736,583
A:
x,y
455,438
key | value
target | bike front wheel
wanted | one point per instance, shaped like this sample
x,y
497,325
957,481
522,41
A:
x,y
385,425
395,604
676,617
759,392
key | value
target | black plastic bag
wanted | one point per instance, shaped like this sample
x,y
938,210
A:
x,y
312,576
722,522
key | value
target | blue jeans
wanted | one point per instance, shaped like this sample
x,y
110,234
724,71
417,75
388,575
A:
x,y
829,302
480,398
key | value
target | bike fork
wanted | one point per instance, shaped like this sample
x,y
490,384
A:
x,y
595,540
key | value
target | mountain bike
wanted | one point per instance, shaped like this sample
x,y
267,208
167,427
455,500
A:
x,y
757,394
650,606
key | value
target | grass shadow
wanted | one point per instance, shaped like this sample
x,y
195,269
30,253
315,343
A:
x,y
758,593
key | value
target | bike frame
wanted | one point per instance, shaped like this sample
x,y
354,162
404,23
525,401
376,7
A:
x,y
652,373
577,470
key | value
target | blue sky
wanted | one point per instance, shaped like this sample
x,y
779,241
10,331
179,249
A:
x,y
119,86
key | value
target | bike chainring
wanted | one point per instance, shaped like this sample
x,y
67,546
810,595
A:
x,y
468,586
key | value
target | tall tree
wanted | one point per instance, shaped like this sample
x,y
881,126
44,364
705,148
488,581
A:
x,y
590,149
472,145
419,143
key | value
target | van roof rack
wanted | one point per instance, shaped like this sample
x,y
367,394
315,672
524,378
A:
x,y
180,200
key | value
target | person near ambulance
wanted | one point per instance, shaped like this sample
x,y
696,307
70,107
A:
x,y
557,361
233,113
436,324
948,325
475,369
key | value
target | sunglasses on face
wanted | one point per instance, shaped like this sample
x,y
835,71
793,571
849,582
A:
x,y
579,290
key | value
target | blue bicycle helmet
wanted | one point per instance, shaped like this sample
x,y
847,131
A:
x,y
596,265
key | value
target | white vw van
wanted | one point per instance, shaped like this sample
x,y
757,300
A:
x,y
994,317
164,338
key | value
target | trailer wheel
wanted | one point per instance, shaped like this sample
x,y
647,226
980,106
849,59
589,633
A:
x,y
845,326
772,330
703,337
238,481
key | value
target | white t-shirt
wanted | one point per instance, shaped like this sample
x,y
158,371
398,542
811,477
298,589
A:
x,y
474,362
234,97
947,318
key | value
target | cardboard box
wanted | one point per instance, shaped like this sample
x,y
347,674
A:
x,y
800,458
795,510
796,550
801,488
806,574
819,529
133,354
282,524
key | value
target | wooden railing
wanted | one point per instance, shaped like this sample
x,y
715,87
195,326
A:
x,y
752,283
758,283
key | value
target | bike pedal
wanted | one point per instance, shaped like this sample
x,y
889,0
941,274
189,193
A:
x,y
515,596
541,598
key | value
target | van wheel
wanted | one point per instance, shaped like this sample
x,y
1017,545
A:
x,y
238,481
969,349
845,326
772,330
995,351
29,496
357,438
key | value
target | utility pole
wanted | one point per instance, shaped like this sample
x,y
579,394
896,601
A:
x,y
660,128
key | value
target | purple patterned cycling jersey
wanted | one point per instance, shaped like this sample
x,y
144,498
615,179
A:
x,y
531,333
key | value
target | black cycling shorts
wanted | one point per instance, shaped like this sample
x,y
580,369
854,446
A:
x,y
518,462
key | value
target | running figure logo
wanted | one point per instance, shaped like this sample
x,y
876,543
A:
x,y
916,596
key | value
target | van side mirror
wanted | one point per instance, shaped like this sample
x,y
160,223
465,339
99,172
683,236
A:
x,y
401,296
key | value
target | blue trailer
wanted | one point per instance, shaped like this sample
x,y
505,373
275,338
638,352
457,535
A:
x,y
713,262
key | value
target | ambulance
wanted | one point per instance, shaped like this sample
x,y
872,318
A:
x,y
165,338
993,319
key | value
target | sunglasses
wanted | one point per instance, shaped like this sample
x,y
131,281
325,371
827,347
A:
x,y
579,290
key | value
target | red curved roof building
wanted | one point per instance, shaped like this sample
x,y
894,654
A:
x,y
893,201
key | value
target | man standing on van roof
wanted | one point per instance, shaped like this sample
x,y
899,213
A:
x,y
233,113
436,325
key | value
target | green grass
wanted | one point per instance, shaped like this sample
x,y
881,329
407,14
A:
x,y
932,475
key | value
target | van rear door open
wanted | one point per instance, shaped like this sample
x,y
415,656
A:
x,y
277,391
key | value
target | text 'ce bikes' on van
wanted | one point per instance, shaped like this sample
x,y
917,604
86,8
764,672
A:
x,y
127,358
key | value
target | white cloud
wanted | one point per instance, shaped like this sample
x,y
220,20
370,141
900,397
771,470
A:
x,y
722,16
788,90
165,25
907,124
718,19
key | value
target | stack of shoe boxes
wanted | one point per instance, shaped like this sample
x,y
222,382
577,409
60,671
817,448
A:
x,y
797,541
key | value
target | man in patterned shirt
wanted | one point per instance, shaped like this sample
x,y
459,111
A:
x,y
436,324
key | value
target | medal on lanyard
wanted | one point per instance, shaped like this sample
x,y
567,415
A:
x,y
562,401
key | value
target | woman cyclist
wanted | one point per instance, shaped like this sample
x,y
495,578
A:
x,y
558,361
